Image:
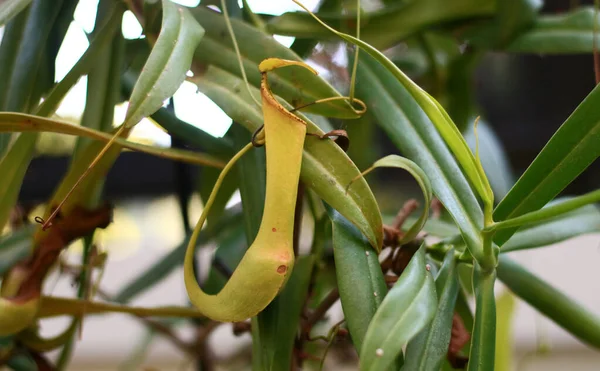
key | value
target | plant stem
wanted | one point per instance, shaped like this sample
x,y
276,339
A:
x,y
546,213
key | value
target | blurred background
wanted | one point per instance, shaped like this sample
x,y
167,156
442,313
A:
x,y
524,99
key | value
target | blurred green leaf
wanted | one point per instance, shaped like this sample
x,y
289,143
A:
x,y
512,17
104,79
15,247
483,341
423,181
21,72
568,33
13,167
554,304
167,65
460,90
297,86
493,158
104,35
407,308
359,277
386,27
10,8
22,362
441,121
505,306
428,349
19,122
325,167
568,153
573,224
413,133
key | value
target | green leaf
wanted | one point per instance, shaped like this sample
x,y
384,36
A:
x,y
87,61
387,27
415,136
15,247
359,277
504,333
554,304
174,258
325,167
483,341
493,158
564,227
10,8
167,64
429,348
20,73
15,163
440,119
13,167
568,153
423,181
407,308
550,212
511,19
297,86
104,80
20,122
567,33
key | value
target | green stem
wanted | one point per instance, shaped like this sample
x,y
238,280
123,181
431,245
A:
x,y
546,213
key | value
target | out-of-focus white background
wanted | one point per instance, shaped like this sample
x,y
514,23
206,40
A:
x,y
145,229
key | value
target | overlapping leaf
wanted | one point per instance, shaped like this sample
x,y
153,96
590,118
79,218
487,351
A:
x,y
429,348
568,153
568,33
415,136
387,27
407,308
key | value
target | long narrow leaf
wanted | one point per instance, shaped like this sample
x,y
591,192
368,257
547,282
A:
x,y
429,348
167,64
554,304
359,277
19,122
415,136
438,116
576,223
10,8
565,33
568,153
407,308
